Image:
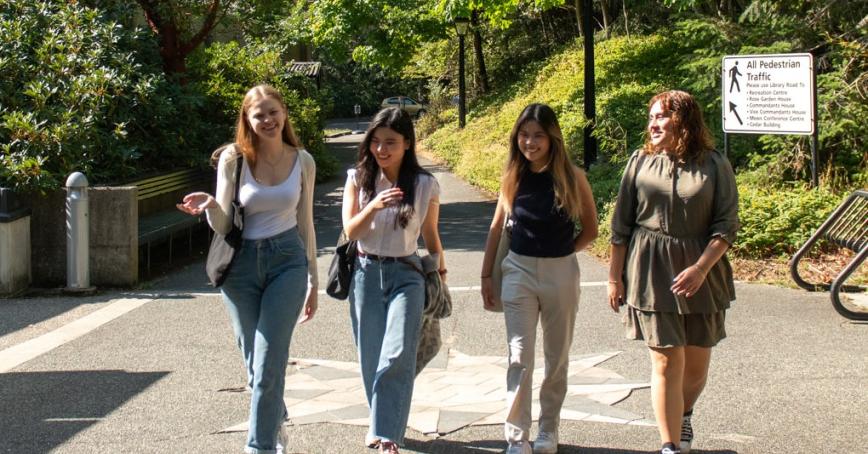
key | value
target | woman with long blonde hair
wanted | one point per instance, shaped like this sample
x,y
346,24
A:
x,y
273,277
544,196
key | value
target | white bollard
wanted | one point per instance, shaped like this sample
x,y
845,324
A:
x,y
77,234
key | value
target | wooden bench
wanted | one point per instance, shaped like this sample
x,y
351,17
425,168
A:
x,y
159,219
846,227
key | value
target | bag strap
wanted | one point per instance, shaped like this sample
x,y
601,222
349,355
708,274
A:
x,y
238,177
235,201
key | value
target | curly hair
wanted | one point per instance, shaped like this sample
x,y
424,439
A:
x,y
693,140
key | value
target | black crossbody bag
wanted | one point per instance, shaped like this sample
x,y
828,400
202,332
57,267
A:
x,y
224,247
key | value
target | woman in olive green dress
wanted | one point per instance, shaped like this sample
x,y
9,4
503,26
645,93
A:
x,y
675,217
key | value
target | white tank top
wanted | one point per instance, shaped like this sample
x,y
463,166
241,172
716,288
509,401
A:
x,y
269,210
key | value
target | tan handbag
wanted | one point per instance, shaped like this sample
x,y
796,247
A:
x,y
497,270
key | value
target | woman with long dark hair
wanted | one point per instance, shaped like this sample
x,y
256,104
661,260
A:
x,y
545,196
389,199
675,217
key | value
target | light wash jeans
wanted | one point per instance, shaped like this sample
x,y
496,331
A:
x,y
387,299
546,291
264,294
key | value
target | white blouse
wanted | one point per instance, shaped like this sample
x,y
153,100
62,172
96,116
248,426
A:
x,y
383,236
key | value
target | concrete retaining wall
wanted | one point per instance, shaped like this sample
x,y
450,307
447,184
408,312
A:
x,y
15,274
114,230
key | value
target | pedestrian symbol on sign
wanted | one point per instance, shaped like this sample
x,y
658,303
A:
x,y
733,75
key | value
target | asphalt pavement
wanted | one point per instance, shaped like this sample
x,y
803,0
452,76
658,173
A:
x,y
155,369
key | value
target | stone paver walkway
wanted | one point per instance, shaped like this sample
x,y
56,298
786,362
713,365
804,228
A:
x,y
454,391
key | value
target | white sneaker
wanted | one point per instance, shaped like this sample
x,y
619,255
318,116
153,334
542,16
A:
x,y
546,443
372,441
519,447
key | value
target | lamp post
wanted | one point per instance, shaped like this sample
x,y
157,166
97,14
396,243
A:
x,y
461,24
590,141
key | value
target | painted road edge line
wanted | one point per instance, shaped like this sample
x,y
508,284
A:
x,y
21,353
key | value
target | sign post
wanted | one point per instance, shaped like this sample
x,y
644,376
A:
x,y
770,94
357,110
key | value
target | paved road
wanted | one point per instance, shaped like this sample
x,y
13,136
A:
x,y
147,371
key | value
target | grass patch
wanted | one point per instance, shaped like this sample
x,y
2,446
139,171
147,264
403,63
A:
x,y
332,132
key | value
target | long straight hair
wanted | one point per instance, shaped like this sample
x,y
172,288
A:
x,y
245,138
367,168
567,197
693,140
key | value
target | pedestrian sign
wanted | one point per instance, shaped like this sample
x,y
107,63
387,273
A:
x,y
768,94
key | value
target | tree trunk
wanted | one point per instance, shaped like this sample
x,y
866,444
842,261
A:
x,y
173,50
481,72
626,19
174,62
607,18
578,4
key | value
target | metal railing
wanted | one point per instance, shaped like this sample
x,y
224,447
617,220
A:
x,y
847,227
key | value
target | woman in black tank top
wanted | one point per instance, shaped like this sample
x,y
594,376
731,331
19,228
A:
x,y
545,197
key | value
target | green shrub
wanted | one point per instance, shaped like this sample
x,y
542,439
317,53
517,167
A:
x,y
225,71
776,222
77,94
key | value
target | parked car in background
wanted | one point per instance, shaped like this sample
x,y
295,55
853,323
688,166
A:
x,y
406,104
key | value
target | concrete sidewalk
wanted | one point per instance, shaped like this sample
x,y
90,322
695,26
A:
x,y
155,370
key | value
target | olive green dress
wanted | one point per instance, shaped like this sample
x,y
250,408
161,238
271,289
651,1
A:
x,y
667,213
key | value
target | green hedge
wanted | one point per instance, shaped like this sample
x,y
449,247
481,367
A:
x,y
77,92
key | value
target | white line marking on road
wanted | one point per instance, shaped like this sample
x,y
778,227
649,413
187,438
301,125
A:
x,y
72,419
25,351
466,288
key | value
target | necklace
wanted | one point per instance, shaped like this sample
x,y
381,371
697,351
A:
x,y
271,164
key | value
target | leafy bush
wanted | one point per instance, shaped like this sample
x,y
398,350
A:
x,y
776,222
226,71
76,94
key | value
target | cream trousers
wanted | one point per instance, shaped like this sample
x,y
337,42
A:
x,y
544,289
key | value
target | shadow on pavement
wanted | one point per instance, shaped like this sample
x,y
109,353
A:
x,y
489,446
464,225
42,410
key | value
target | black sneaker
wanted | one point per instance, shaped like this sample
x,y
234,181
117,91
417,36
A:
x,y
686,432
669,448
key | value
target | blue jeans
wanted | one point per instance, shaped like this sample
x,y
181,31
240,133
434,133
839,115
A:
x,y
264,294
386,303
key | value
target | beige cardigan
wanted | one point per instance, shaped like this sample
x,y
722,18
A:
x,y
218,218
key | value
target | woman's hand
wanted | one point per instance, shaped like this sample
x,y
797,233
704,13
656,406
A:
x,y
387,198
687,282
487,293
197,202
310,306
616,294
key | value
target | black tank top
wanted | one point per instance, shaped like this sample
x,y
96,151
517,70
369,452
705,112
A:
x,y
539,228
